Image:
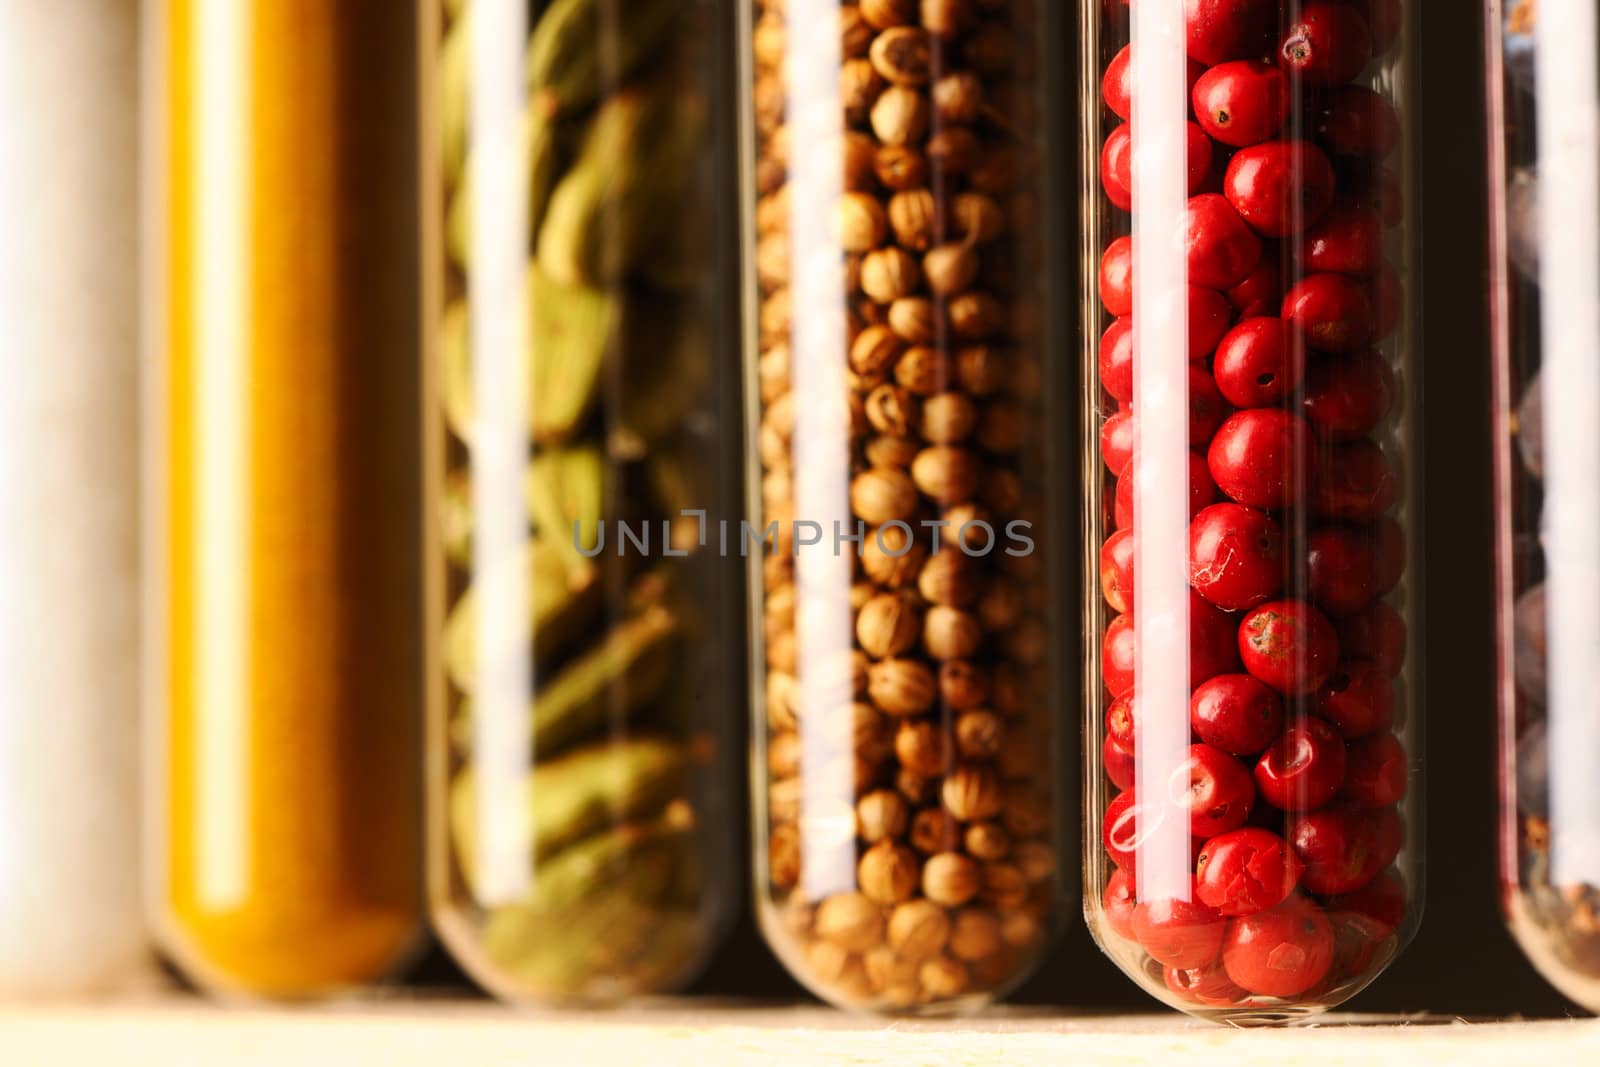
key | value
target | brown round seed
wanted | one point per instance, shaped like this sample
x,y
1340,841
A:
x,y
880,495
950,633
901,688
918,929
986,841
934,830
899,116
924,748
850,921
888,873
975,934
887,274
902,55
948,475
950,879
860,223
888,625
881,815
947,419
979,734
972,793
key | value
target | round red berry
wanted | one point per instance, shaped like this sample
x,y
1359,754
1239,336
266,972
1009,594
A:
x,y
1279,187
1236,714
1209,986
1341,569
1346,398
1210,315
1116,277
1179,933
1304,768
1221,248
1117,85
1243,102
1125,828
1118,760
1357,941
1220,30
1207,409
1389,540
1117,902
1246,871
1388,833
1355,121
1213,645
1259,363
1357,698
1116,441
1117,657
1261,457
1121,719
1388,298
1119,161
1347,239
1116,359
1384,900
1354,481
1289,645
1377,634
1236,558
1328,44
1201,489
1214,788
1281,952
1378,771
1116,570
1332,311
1261,293
1336,846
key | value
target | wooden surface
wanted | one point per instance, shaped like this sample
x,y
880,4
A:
x,y
177,1032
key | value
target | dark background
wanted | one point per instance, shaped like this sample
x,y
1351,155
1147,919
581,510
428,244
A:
x,y
1462,961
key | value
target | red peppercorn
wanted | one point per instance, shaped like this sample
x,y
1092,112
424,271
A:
x,y
1289,645
1280,187
1304,768
1378,187
1246,871
1347,398
1388,833
1377,634
1118,161
1262,458
1354,481
1118,760
1282,952
1236,714
1378,771
1388,297
1347,239
1116,277
1243,102
1214,788
1341,569
1121,719
1221,249
1383,900
1358,698
1116,570
1117,657
1262,292
1123,831
1116,359
1236,556
1220,30
1179,933
1206,406
1259,363
1357,942
1336,846
1208,986
1390,542
1210,315
1116,441
1355,121
1213,644
1118,902
1201,489
1333,312
1328,44
1117,85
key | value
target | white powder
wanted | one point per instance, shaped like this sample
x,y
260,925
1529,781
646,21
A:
x,y
69,688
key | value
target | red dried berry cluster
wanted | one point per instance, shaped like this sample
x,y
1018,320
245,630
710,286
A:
x,y
1294,775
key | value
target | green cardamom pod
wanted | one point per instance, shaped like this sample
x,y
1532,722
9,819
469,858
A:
x,y
608,916
631,174
571,330
562,600
567,489
581,47
667,361
625,671
583,792
543,142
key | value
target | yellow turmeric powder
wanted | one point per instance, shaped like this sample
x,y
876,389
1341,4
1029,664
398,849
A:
x,y
287,715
